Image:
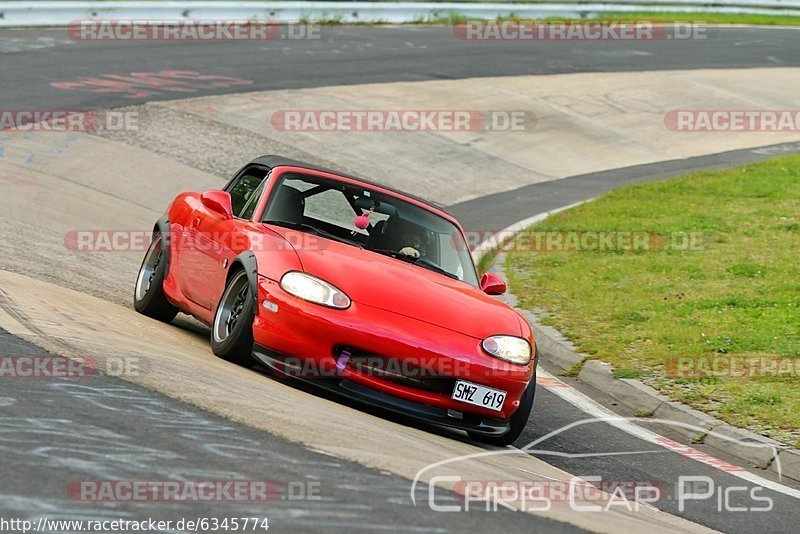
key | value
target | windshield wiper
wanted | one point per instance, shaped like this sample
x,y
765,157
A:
x,y
313,229
433,267
422,262
392,253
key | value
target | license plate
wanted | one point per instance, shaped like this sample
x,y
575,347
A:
x,y
477,395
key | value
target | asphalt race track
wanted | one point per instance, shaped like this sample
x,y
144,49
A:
x,y
151,436
358,56
125,432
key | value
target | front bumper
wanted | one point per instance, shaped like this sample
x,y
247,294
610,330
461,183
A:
x,y
314,343
416,410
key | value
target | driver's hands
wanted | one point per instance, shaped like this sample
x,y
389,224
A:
x,y
409,251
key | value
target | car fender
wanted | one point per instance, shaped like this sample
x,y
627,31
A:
x,y
526,332
249,263
162,227
276,256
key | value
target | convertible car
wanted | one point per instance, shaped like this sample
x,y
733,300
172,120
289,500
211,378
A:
x,y
351,285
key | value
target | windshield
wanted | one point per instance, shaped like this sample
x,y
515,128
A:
x,y
389,225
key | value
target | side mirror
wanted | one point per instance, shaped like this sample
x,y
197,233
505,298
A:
x,y
491,284
218,201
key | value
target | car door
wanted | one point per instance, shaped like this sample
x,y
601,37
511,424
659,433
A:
x,y
214,235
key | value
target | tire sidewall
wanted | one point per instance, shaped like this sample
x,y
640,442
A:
x,y
154,303
241,337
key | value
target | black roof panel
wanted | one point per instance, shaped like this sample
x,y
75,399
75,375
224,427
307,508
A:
x,y
276,161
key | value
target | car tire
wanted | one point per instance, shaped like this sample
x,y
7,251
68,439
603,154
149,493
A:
x,y
517,421
232,328
148,293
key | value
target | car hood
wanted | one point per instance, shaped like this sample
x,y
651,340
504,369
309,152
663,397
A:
x,y
396,286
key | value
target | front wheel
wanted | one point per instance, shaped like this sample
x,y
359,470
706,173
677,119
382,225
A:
x,y
518,420
232,329
148,295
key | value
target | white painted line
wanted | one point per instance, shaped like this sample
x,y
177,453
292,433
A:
x,y
599,412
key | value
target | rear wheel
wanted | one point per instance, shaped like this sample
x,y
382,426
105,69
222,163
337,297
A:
x,y
232,329
148,295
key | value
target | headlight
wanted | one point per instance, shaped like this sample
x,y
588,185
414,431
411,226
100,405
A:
x,y
313,289
509,348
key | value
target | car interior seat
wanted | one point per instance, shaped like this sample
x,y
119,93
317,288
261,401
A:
x,y
289,205
377,236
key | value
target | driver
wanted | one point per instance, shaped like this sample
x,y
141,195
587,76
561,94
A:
x,y
412,241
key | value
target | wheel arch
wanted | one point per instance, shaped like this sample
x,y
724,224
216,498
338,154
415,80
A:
x,y
162,226
246,261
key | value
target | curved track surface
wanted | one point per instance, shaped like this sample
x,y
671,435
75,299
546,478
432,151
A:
x,y
33,60
356,55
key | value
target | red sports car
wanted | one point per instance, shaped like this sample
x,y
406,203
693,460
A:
x,y
352,285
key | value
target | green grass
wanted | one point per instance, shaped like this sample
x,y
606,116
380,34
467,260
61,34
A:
x,y
709,18
486,261
656,17
737,296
